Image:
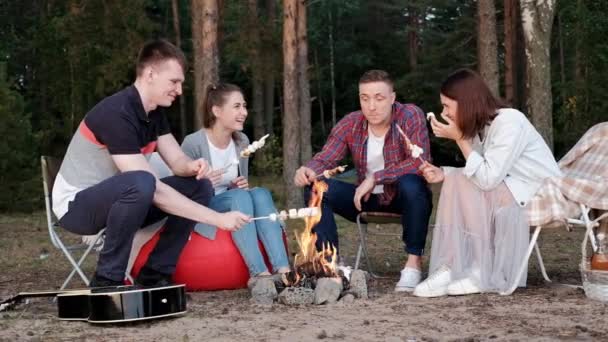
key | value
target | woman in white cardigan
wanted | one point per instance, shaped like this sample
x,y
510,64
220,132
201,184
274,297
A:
x,y
481,229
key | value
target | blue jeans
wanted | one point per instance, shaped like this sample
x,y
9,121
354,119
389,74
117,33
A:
x,y
255,202
413,202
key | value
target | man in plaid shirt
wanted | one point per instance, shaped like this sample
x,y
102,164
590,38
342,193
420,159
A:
x,y
387,174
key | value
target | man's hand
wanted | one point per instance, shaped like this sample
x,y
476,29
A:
x,y
449,131
239,183
233,220
364,190
304,176
432,173
215,176
198,167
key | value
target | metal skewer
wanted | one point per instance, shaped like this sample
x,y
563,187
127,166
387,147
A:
x,y
407,141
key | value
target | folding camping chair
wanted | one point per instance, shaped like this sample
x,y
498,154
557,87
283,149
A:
x,y
568,200
50,168
363,219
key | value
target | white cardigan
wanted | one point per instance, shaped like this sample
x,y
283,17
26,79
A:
x,y
511,151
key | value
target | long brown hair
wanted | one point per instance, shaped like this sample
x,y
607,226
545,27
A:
x,y
216,95
477,105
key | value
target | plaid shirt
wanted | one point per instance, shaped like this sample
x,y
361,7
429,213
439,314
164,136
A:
x,y
585,181
350,134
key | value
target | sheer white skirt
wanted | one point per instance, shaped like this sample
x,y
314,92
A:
x,y
479,234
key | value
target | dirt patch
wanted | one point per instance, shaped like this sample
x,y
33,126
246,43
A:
x,y
539,312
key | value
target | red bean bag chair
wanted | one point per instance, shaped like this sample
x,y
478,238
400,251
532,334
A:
x,y
206,264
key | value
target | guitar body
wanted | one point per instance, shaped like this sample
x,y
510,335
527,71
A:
x,y
117,304
137,304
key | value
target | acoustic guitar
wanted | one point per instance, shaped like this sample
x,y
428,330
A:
x,y
112,304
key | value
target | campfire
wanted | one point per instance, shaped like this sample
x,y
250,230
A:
x,y
310,264
316,276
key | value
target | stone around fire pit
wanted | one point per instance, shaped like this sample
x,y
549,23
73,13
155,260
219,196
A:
x,y
297,296
263,291
328,290
358,284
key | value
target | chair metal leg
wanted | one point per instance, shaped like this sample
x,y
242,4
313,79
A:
x,y
541,264
363,248
524,263
76,265
362,227
358,258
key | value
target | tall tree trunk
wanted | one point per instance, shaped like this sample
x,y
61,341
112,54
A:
x,y
303,83
510,26
206,55
537,21
269,75
412,35
562,61
331,68
256,70
291,124
320,93
178,43
487,43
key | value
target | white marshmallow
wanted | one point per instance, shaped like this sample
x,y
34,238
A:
x,y
272,217
283,215
303,212
293,213
429,115
416,151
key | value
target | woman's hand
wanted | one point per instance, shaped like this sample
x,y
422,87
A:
x,y
239,183
449,131
432,173
215,176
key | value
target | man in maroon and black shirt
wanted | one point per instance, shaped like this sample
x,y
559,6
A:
x,y
105,179
387,174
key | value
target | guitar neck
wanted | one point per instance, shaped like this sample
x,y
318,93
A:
x,y
24,295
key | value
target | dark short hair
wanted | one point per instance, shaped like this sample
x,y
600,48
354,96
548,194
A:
x,y
376,76
156,51
477,105
216,95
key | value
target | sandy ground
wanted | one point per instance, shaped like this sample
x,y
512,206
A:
x,y
538,313
541,313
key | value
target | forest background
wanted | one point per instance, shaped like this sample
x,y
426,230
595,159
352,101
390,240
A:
x,y
298,63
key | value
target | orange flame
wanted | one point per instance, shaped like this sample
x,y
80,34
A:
x,y
308,254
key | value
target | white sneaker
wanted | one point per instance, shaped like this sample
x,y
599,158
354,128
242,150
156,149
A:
x,y
465,286
410,277
436,284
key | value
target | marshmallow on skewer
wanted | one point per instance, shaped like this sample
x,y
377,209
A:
x,y
293,213
430,115
254,146
415,150
332,172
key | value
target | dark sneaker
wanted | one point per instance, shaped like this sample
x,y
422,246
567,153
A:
x,y
99,281
150,278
